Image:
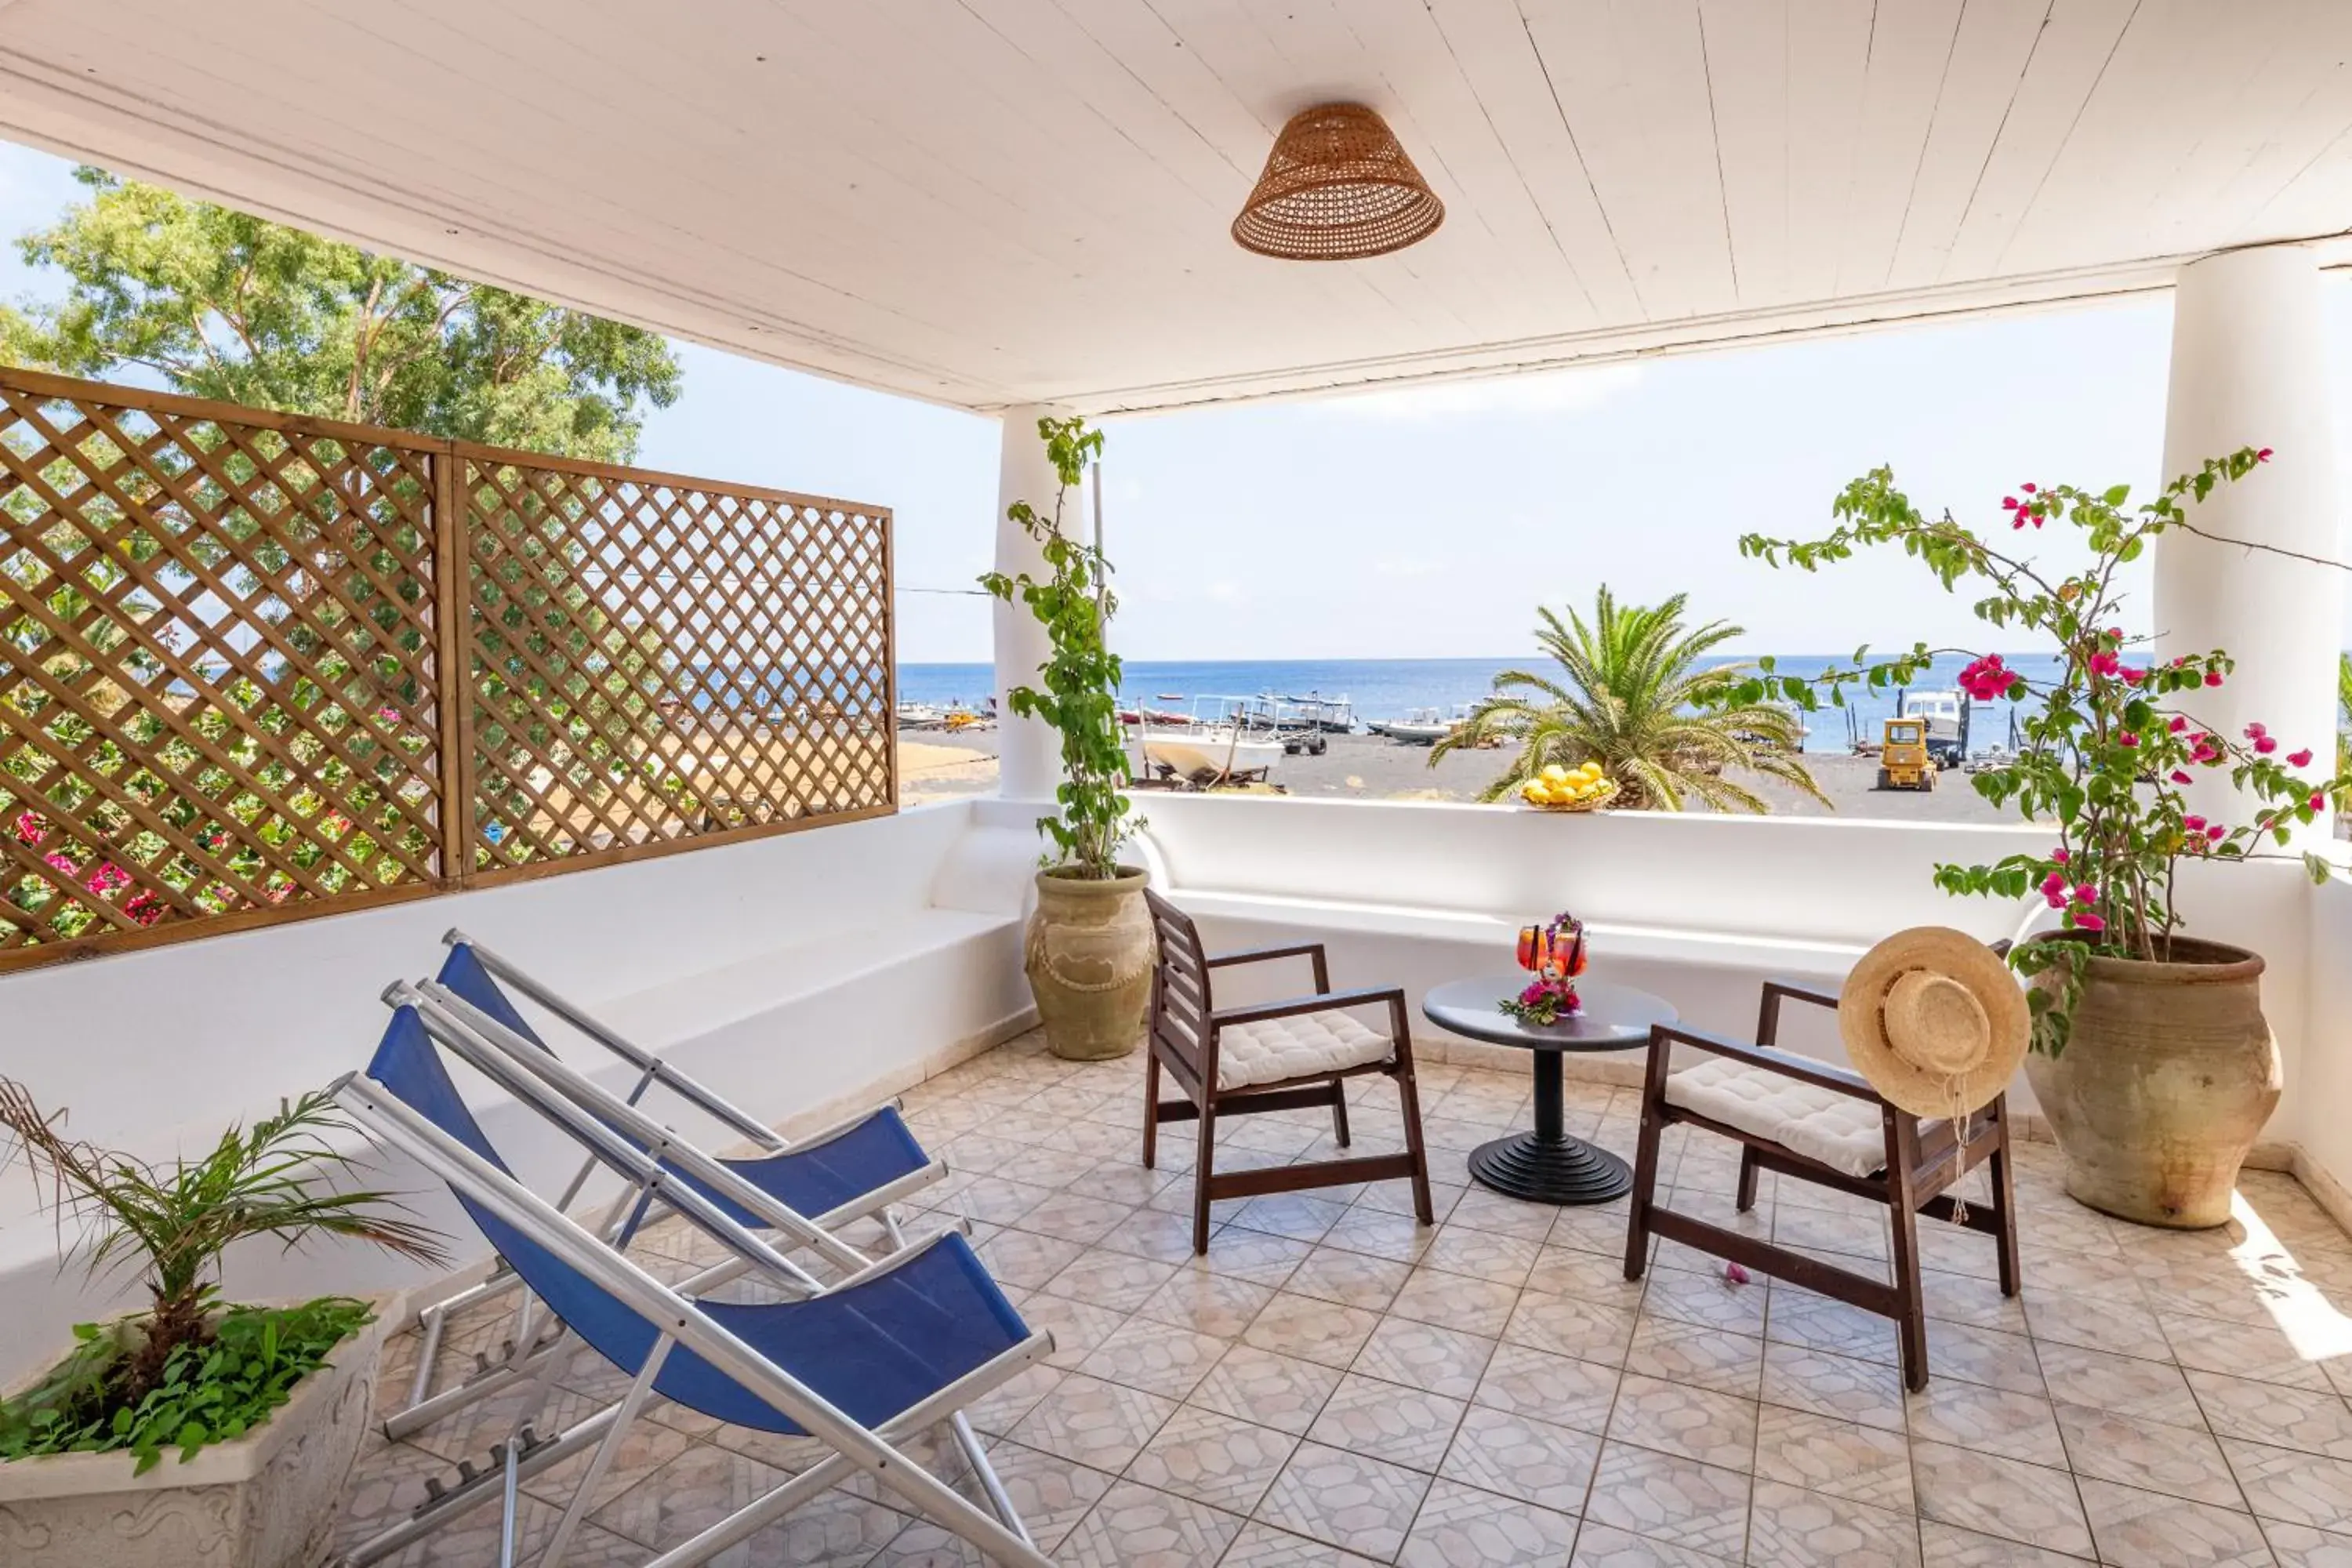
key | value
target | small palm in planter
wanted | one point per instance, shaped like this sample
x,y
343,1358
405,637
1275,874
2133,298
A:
x,y
264,1406
2151,1057
1089,945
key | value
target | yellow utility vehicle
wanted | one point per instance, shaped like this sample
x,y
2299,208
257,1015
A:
x,y
1903,759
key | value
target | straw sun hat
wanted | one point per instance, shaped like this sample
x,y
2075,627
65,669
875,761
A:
x,y
1935,1020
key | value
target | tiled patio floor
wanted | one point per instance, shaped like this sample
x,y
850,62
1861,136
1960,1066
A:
x,y
1332,1384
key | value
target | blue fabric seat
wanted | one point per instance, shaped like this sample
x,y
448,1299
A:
x,y
872,1349
814,1179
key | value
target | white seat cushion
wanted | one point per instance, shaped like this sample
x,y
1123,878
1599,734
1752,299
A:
x,y
1837,1129
1301,1046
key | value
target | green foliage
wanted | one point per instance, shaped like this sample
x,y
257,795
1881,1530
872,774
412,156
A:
x,y
172,1224
213,1392
221,304
2105,757
1630,696
1081,675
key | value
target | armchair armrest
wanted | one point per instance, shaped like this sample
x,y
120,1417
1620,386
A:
x,y
1768,1016
1307,950
1392,995
1820,1074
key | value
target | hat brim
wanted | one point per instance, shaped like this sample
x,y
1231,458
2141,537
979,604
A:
x,y
1961,957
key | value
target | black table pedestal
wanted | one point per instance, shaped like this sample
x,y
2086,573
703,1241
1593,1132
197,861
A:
x,y
1546,1166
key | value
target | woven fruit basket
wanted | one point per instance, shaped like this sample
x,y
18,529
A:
x,y
1593,802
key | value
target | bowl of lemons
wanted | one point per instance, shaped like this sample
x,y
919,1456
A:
x,y
1578,789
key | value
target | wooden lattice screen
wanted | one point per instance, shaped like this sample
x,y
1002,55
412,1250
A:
x,y
659,659
243,680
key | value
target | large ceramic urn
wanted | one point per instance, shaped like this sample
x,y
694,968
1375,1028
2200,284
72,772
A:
x,y
1089,955
2168,1075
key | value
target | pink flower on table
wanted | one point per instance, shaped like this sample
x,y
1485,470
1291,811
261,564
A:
x,y
2084,920
2300,759
2180,776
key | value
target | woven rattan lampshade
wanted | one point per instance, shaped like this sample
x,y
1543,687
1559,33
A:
x,y
1337,186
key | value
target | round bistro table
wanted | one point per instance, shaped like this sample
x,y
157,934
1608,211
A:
x,y
1548,1165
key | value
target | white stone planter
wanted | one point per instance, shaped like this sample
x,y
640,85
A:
x,y
268,1500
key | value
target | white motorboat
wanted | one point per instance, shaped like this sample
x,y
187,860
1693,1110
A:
x,y
1211,752
1421,727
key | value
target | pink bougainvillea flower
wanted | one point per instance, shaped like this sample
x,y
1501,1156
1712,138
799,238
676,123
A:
x,y
2180,776
2053,885
2009,503
2300,759
2059,855
2104,663
1736,1274
2255,732
2029,486
2266,745
2055,900
2133,674
2263,456
2084,920
2086,894
2318,801
2126,738
2212,678
2178,724
2194,824
2217,833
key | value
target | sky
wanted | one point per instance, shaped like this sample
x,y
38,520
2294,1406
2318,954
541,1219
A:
x,y
1430,523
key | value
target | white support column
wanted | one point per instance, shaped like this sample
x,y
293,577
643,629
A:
x,y
2249,369
1029,753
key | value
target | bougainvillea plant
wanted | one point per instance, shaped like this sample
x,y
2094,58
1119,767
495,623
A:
x,y
1081,674
2109,743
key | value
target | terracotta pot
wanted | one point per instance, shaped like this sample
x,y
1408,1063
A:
x,y
2167,1079
1089,961
269,1500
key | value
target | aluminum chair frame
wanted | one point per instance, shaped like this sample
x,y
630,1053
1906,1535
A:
x,y
523,1349
660,1173
679,1321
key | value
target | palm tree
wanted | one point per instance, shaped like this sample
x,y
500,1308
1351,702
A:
x,y
1629,694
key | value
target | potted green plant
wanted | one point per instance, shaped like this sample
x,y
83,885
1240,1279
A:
x,y
2151,1056
263,1409
1089,947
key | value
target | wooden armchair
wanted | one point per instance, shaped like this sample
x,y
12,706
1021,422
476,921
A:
x,y
1277,1056
1816,1122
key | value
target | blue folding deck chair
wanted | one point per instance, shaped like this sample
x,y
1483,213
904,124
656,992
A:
x,y
899,1346
854,1169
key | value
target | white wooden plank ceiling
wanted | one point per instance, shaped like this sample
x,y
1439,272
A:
x,y
992,202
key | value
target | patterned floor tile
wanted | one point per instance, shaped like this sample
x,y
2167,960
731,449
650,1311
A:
x,y
1605,1546
1459,1527
2300,1546
2149,1390
1158,1358
2299,1488
1843,1458
1422,1355
1797,1317
2145,1530
1350,1279
2271,1413
1078,1327
1112,1280
1253,1255
1091,1422
1020,1257
1380,1234
1302,1216
1135,1527
1346,1499
1263,1546
1715,1359
1213,1459
1718,1429
1481,1254
1404,1425
1711,1299
1278,1391
1836,1385
2258,1350
2007,1498
2096,1322
1566,1326
1523,1457
1989,1356
1310,1329
2174,1460
1788,1525
1556,1388
1484,1210
1948,1546
1207,1303
2013,1426
1454,1300
1680,1501
706,1484
1589,1276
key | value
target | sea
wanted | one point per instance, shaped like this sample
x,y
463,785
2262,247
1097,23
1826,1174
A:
x,y
1384,688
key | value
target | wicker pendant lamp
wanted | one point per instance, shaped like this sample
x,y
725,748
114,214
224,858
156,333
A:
x,y
1337,186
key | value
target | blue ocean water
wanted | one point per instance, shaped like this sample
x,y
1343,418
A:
x,y
1391,688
